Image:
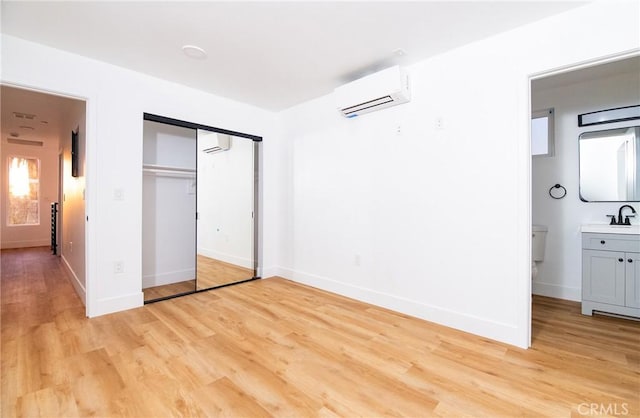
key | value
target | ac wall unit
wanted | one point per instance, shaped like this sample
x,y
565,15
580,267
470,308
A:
x,y
377,91
224,144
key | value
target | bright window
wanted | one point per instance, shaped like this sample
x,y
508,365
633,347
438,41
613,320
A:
x,y
24,184
542,128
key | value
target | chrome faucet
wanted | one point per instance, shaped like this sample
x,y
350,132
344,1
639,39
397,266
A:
x,y
626,218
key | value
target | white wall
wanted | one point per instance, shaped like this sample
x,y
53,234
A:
x,y
225,200
72,207
30,235
559,275
436,223
116,100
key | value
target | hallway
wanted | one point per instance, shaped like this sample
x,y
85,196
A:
x,y
35,291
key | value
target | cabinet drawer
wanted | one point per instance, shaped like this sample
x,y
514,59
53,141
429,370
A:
x,y
611,242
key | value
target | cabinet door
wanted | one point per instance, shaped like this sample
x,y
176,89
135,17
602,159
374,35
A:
x,y
603,276
632,276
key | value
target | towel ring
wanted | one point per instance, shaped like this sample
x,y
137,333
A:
x,y
558,195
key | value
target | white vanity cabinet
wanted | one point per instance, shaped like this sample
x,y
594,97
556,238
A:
x,y
611,273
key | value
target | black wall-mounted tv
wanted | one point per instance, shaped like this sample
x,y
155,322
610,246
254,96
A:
x,y
74,154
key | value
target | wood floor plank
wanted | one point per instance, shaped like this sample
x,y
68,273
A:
x,y
53,401
224,399
275,348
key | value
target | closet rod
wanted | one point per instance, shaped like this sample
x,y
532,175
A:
x,y
170,173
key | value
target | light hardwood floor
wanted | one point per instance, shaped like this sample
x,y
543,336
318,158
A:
x,y
210,273
275,348
166,290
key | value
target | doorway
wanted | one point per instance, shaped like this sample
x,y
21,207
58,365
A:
x,y
562,211
37,127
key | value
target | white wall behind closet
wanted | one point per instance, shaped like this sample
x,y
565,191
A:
x,y
168,205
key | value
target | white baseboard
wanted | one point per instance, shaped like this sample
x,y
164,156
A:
x,y
227,258
507,333
168,278
26,244
556,291
270,272
75,281
116,304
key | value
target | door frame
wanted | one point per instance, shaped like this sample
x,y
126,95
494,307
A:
x,y
535,76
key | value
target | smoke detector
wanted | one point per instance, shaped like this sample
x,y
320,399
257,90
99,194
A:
x,y
194,52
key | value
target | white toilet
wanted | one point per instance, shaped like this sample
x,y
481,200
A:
x,y
539,236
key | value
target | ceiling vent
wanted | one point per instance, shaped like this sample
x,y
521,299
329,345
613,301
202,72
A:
x,y
27,116
377,91
25,142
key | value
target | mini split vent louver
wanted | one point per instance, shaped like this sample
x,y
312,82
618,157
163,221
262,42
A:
x,y
377,91
224,144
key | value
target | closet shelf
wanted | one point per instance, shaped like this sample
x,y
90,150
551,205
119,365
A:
x,y
168,168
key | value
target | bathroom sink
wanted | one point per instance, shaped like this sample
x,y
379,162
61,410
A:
x,y
612,229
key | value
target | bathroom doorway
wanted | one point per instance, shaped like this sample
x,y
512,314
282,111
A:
x,y
555,176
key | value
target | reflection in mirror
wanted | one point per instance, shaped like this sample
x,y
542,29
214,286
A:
x,y
609,166
225,206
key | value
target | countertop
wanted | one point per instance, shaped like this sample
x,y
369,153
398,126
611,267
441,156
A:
x,y
612,229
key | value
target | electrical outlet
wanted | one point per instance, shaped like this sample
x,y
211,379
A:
x,y
356,260
118,267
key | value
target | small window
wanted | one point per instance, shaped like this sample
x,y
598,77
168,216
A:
x,y
542,128
24,184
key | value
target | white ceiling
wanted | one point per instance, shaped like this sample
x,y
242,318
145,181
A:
x,y
269,54
47,110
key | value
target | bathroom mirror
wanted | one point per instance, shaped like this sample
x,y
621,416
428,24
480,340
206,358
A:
x,y
609,165
225,208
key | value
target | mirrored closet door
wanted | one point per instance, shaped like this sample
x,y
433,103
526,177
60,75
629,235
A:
x,y
199,207
225,206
